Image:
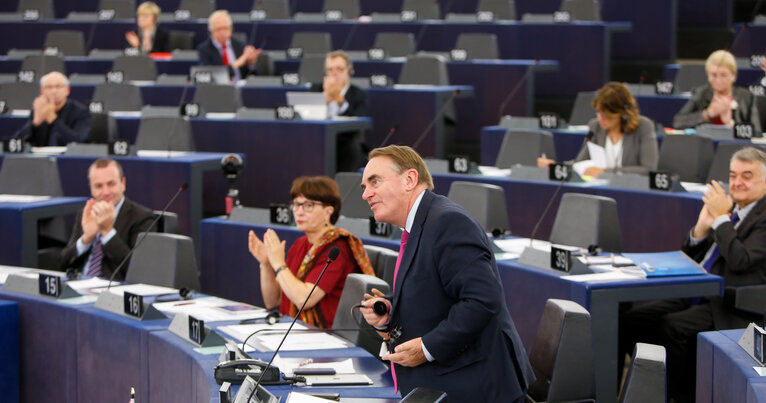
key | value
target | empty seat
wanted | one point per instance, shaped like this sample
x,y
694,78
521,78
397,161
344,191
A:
x,y
312,43
689,157
255,114
19,95
646,378
151,111
690,76
501,9
198,8
180,40
519,122
44,7
424,69
351,195
311,69
87,79
395,44
218,98
582,10
425,9
561,355
166,260
43,64
346,317
484,202
349,8
68,42
103,128
523,147
478,45
119,96
582,110
719,167
383,261
136,68
123,9
24,175
274,9
584,220
164,133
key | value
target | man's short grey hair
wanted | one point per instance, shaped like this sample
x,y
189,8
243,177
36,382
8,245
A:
x,y
45,78
751,154
216,14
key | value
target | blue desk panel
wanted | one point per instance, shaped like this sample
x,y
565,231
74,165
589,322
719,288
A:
x,y
9,351
725,371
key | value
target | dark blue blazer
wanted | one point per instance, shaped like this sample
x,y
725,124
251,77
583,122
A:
x,y
71,125
355,96
448,291
210,56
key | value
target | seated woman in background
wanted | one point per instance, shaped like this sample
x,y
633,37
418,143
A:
x,y
286,282
148,36
719,101
629,139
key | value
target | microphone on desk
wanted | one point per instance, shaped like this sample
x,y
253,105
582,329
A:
x,y
331,256
141,239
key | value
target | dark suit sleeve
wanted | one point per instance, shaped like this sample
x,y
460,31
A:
x,y
118,247
698,251
464,265
74,126
742,255
207,54
690,115
161,41
648,154
357,102
755,117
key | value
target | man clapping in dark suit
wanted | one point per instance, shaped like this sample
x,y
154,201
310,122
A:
x,y
223,50
447,322
107,228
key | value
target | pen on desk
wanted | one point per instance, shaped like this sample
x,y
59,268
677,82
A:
x,y
184,303
647,266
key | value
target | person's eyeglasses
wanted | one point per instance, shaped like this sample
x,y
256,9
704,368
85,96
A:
x,y
308,206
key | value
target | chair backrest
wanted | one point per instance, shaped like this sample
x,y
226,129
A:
x,y
561,354
119,96
18,95
312,68
166,260
68,42
351,195
719,167
152,111
312,43
103,128
424,69
425,9
168,223
346,317
164,133
582,10
646,381
583,220
582,110
265,64
690,76
519,122
275,9
37,176
687,156
502,9
198,8
383,261
396,44
350,8
44,7
479,45
122,8
140,67
218,98
760,103
483,201
255,113
183,40
43,64
523,147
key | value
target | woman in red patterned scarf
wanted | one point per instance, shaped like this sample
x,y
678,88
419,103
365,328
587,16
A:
x,y
287,280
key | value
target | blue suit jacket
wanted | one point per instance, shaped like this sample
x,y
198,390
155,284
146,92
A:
x,y
448,291
210,56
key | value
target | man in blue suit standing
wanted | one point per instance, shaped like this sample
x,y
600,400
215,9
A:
x,y
447,323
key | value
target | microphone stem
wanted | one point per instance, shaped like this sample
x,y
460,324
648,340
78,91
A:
x,y
438,116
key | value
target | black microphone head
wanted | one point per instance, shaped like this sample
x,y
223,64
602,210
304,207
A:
x,y
334,252
496,232
184,186
185,293
594,250
589,136
380,308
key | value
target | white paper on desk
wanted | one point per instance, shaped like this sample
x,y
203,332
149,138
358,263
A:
x,y
160,153
760,370
494,171
694,187
49,150
517,245
287,365
126,114
21,112
297,397
634,271
212,309
300,341
88,286
7,270
610,260
581,166
139,289
219,115
9,198
240,332
578,128
600,277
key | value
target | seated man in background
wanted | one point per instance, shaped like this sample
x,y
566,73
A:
x,y
344,99
729,239
221,49
107,228
55,119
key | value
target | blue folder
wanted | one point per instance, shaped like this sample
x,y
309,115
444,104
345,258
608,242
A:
x,y
674,263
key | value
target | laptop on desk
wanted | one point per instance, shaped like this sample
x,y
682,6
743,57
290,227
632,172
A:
x,y
310,105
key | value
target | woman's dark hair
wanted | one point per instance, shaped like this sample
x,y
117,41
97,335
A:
x,y
318,188
614,99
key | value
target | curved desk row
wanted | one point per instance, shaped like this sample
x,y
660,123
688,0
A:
x,y
725,371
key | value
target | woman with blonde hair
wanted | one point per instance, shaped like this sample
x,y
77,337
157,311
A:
x,y
148,36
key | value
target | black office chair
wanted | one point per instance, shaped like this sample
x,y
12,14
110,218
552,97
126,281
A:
x,y
562,356
43,64
44,7
582,10
122,8
690,76
218,98
353,204
719,167
395,44
103,128
136,68
424,69
19,95
68,42
165,133
347,317
425,9
198,9
483,201
646,379
119,96
501,9
383,261
522,147
582,110
689,157
312,43
183,40
349,8
584,220
311,69
479,45
166,260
